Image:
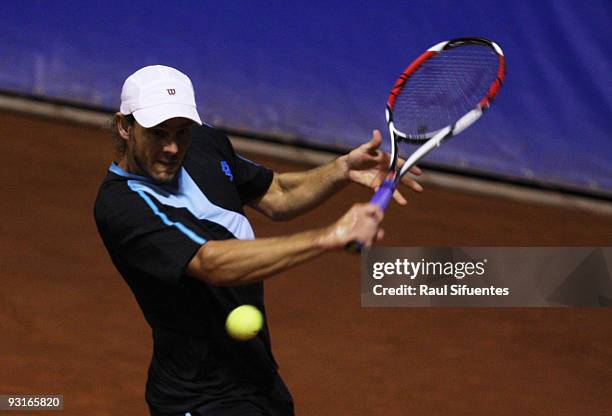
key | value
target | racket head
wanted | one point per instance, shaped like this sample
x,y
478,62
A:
x,y
450,80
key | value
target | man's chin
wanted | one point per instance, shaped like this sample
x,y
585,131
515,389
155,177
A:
x,y
163,177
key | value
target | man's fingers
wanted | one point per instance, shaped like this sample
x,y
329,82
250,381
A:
x,y
376,137
374,211
412,184
415,170
399,198
408,181
374,142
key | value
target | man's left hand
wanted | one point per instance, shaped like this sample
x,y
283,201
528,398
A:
x,y
368,165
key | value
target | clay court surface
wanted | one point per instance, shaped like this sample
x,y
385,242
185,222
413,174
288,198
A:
x,y
69,325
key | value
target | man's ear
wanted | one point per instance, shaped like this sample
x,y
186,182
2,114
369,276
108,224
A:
x,y
122,126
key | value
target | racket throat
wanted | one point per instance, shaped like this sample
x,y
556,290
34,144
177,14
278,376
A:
x,y
391,176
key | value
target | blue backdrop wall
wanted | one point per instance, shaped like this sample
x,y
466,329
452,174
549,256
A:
x,y
320,71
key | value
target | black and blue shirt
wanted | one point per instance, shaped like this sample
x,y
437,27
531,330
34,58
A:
x,y
151,232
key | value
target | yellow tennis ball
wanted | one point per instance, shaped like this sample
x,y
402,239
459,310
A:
x,y
244,322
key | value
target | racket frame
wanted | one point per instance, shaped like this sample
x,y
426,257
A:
x,y
434,139
430,140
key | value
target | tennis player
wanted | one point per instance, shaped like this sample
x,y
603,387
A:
x,y
170,213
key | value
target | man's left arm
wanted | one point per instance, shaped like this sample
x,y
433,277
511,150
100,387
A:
x,y
292,194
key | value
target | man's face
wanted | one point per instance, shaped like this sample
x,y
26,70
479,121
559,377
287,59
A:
x,y
159,151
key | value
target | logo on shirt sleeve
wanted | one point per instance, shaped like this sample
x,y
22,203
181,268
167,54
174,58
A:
x,y
225,167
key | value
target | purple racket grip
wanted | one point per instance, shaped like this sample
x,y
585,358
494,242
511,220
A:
x,y
380,198
384,194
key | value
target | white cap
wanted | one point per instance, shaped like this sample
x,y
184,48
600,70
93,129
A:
x,y
156,93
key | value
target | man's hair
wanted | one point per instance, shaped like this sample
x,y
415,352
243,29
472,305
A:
x,y
119,143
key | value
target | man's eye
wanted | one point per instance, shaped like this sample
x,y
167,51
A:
x,y
183,133
160,134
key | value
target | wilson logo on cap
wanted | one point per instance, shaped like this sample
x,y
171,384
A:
x,y
151,94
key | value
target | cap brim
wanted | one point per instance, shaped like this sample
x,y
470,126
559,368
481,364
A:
x,y
152,116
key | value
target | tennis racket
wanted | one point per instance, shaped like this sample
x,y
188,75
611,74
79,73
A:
x,y
440,94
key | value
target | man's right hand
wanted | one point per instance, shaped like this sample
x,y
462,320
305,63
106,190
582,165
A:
x,y
360,223
235,262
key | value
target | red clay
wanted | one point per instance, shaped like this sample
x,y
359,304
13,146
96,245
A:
x,y
69,325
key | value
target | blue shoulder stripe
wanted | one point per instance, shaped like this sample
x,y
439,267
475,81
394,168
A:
x,y
189,233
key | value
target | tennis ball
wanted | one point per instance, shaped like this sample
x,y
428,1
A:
x,y
244,322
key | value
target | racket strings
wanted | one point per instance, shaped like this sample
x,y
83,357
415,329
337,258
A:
x,y
443,89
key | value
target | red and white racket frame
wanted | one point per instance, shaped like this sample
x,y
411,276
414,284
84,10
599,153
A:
x,y
435,138
430,140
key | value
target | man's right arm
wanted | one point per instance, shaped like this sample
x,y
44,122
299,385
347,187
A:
x,y
239,262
